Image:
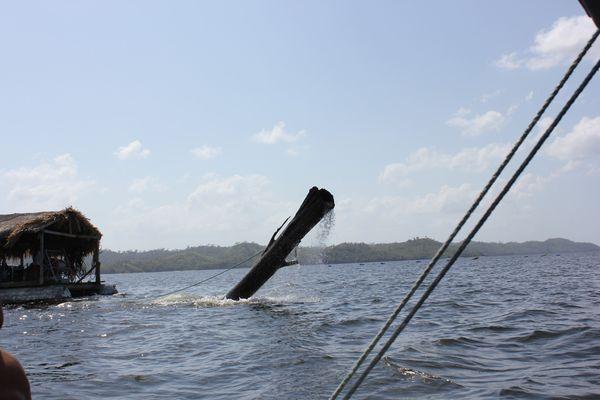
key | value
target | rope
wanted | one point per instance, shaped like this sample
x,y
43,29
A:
x,y
473,232
464,219
209,278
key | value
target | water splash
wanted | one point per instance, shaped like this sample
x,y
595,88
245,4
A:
x,y
200,301
324,228
317,239
220,301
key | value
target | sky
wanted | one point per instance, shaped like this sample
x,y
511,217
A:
x,y
175,124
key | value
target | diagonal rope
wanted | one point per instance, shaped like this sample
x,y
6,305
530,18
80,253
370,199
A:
x,y
207,279
473,232
464,219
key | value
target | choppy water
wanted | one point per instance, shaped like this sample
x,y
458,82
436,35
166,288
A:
x,y
509,327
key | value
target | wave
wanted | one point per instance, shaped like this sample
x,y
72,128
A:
x,y
460,341
357,321
549,334
528,314
492,328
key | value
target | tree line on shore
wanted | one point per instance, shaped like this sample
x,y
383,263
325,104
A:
x,y
217,257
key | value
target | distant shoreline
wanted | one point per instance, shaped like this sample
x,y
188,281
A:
x,y
219,257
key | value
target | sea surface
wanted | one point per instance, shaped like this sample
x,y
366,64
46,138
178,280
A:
x,y
525,327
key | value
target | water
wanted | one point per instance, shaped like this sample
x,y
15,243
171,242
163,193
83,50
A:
x,y
509,327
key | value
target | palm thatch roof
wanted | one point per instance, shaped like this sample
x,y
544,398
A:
x,y
19,232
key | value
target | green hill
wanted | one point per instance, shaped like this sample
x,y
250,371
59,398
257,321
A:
x,y
216,257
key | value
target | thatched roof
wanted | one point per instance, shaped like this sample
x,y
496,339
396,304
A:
x,y
18,232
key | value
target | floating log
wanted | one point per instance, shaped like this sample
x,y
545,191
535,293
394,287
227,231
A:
x,y
317,203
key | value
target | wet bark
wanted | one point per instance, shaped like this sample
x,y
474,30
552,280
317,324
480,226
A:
x,y
317,203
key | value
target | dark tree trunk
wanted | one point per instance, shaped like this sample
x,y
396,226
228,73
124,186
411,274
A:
x,y
317,203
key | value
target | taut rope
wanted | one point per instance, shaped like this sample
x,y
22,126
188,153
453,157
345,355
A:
x,y
209,278
480,223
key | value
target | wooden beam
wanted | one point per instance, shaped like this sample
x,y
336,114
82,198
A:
x,y
317,203
40,258
86,274
96,261
71,235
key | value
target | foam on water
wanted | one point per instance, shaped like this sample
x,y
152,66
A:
x,y
414,374
221,301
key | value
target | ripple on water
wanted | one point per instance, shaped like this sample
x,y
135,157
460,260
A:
x,y
499,327
544,335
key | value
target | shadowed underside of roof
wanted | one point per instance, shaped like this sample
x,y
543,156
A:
x,y
19,232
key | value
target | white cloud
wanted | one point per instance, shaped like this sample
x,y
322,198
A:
x,y
509,61
277,134
511,109
555,46
146,184
221,209
462,111
448,199
133,150
579,147
530,183
468,159
216,187
476,124
488,96
514,107
543,124
399,218
296,150
206,152
582,143
52,184
529,96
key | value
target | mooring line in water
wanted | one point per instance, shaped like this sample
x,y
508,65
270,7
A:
x,y
209,278
480,223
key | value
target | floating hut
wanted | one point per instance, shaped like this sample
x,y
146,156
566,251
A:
x,y
49,256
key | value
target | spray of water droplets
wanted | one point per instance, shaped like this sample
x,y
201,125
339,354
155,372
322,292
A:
x,y
324,228
318,240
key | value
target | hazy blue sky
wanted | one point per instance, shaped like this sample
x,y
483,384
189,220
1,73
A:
x,y
182,123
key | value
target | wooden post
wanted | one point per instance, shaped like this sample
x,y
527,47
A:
x,y
317,203
40,258
96,261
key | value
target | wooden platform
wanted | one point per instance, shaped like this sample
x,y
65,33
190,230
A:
x,y
19,294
